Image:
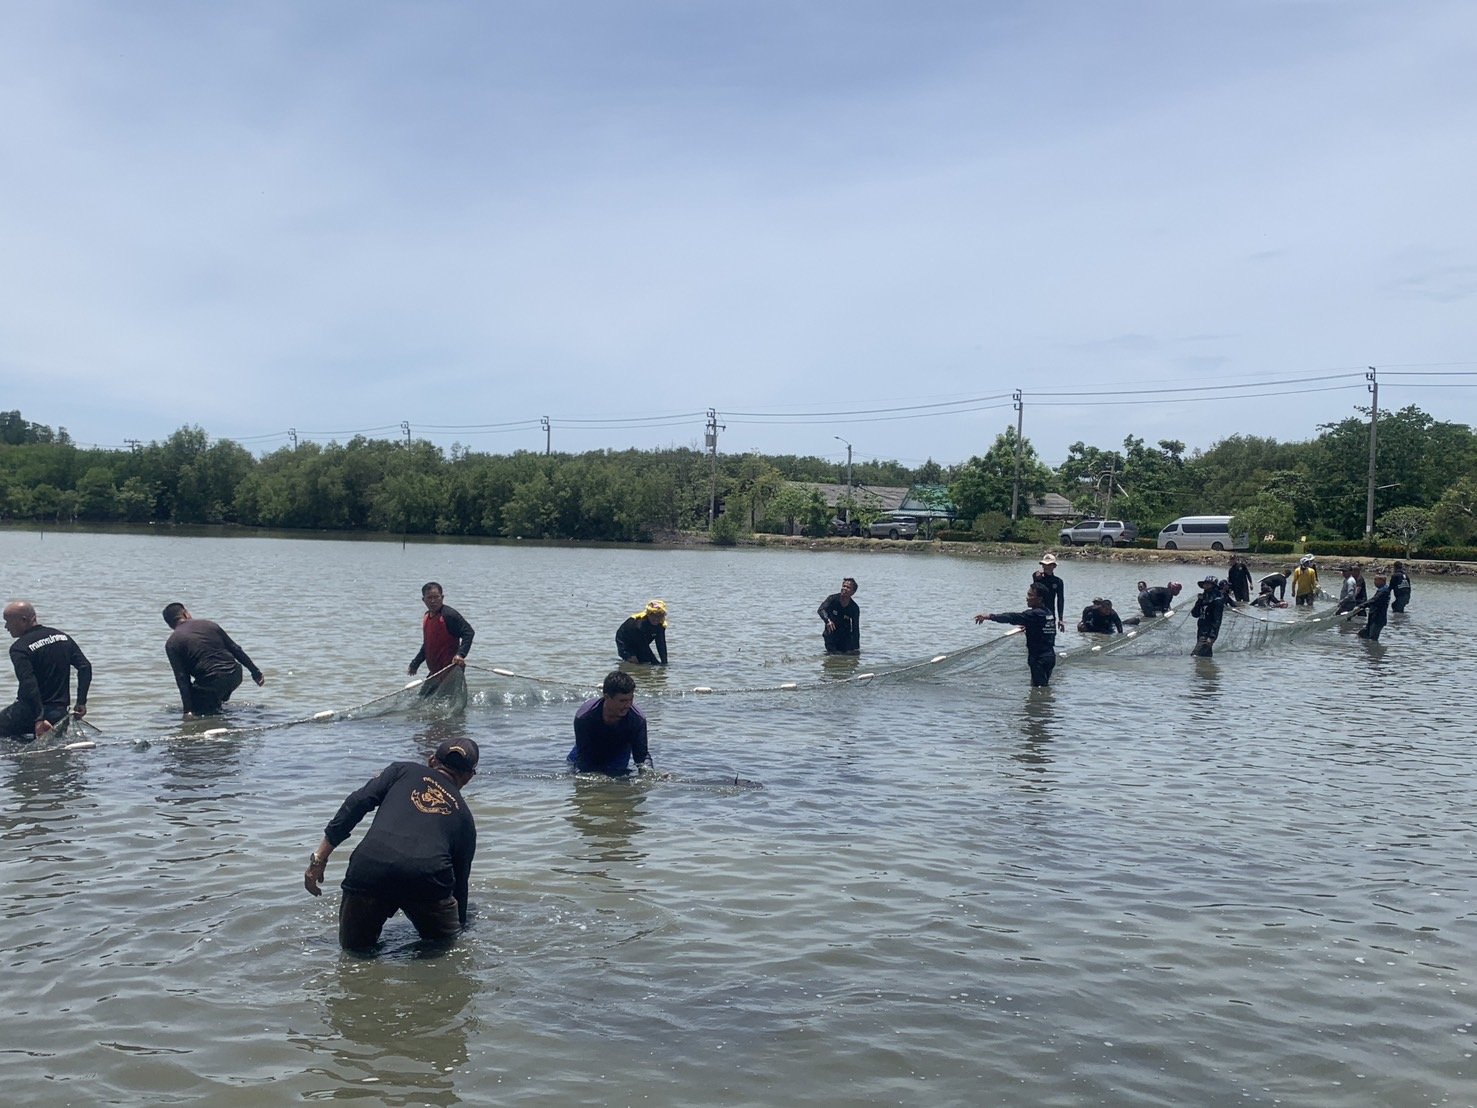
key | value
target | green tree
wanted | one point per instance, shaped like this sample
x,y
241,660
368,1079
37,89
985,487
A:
x,y
136,500
1415,457
985,484
1454,519
1265,516
1406,525
97,494
792,506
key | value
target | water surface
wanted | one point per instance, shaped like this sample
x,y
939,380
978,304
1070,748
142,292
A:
x,y
1162,881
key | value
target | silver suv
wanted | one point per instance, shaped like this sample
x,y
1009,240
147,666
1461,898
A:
x,y
893,527
1099,532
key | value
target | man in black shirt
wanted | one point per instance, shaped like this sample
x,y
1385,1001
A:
x,y
1040,631
1208,611
1157,601
843,633
1277,583
1240,577
1099,618
1376,606
416,857
1400,587
43,658
206,662
1053,590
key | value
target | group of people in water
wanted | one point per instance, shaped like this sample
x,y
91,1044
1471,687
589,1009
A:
x,y
1046,601
416,857
206,662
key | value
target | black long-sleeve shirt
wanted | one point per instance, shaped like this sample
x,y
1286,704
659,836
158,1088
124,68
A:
x,y
1099,622
44,659
1378,605
1208,611
200,648
848,620
1040,628
1240,578
636,636
1156,601
1054,593
419,847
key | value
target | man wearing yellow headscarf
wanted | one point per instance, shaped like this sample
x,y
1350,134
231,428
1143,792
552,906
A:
x,y
635,637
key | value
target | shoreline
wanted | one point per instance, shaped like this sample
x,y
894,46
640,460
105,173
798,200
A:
x,y
683,540
1122,554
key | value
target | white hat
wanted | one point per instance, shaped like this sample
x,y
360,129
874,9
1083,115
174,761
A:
x,y
1048,559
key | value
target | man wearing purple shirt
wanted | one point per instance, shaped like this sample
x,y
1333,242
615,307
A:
x,y
610,731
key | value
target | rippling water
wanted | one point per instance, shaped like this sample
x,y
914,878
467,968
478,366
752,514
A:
x,y
1162,881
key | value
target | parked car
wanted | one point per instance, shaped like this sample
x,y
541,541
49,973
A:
x,y
1202,533
845,527
1100,532
893,527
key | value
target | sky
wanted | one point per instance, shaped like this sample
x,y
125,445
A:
x,y
825,221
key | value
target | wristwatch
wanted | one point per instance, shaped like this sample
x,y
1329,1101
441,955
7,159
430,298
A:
x,y
314,860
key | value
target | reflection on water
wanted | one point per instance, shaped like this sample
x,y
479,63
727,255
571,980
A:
x,y
1205,689
1038,719
605,813
43,784
839,667
399,1024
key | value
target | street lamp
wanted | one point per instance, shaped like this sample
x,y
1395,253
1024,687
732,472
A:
x,y
847,509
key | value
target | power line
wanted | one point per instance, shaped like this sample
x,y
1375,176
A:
x,y
950,404
1193,399
1199,388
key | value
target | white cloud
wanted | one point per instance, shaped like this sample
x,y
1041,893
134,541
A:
x,y
341,216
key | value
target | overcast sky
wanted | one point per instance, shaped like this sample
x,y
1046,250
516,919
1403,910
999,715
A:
x,y
336,217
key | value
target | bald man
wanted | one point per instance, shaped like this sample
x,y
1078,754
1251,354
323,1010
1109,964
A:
x,y
43,658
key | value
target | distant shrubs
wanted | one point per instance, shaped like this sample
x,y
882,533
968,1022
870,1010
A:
x,y
1446,554
724,532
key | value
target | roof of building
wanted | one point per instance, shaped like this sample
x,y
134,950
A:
x,y
1051,505
882,498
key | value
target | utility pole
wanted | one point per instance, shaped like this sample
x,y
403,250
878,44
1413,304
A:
x,y
1015,491
711,441
849,485
548,435
405,426
1374,416
1111,474
134,445
292,434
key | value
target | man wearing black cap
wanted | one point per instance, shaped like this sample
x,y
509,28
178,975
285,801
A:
x,y
1209,608
417,855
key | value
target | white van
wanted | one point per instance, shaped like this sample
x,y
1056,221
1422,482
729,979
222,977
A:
x,y
1201,533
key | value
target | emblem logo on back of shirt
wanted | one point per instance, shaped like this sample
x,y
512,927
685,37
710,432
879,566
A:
x,y
432,799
